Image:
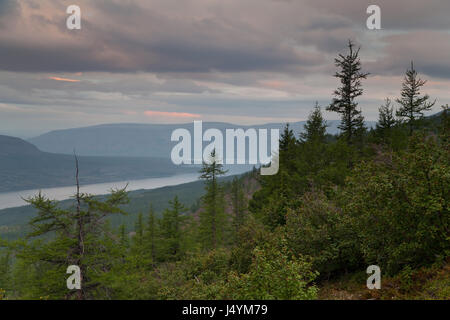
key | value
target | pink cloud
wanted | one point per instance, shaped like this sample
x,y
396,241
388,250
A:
x,y
151,113
63,79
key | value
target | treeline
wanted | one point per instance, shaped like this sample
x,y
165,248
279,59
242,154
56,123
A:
x,y
337,205
378,197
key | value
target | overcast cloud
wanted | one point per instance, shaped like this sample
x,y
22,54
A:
x,y
241,61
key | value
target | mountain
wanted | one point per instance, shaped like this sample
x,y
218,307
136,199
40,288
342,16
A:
x,y
10,146
24,166
136,140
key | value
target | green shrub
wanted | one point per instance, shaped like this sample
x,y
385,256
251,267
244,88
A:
x,y
319,229
400,206
276,273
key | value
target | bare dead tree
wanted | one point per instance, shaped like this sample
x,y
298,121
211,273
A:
x,y
80,231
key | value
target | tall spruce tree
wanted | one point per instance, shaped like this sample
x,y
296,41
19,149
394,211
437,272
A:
x,y
412,103
212,217
350,76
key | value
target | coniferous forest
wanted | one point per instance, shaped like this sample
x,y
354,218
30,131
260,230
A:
x,y
339,203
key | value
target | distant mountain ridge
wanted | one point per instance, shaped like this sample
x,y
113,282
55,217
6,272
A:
x,y
137,140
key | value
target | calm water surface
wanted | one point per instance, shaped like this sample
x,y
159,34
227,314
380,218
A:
x,y
14,199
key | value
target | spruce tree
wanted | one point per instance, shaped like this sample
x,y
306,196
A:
x,y
287,139
312,153
350,76
315,127
288,150
171,225
212,217
386,122
386,118
412,103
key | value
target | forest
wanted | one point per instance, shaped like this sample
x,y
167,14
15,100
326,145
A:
x,y
338,204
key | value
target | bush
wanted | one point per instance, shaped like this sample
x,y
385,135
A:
x,y
319,229
400,206
276,273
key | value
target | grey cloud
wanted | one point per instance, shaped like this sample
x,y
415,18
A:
x,y
209,57
8,7
119,37
429,49
169,36
395,15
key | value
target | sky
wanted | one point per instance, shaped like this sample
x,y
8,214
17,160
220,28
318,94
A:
x,y
237,61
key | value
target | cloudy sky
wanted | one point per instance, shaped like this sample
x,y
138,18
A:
x,y
239,61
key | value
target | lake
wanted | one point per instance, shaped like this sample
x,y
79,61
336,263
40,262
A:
x,y
14,199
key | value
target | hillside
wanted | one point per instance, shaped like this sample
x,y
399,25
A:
x,y
23,166
136,140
